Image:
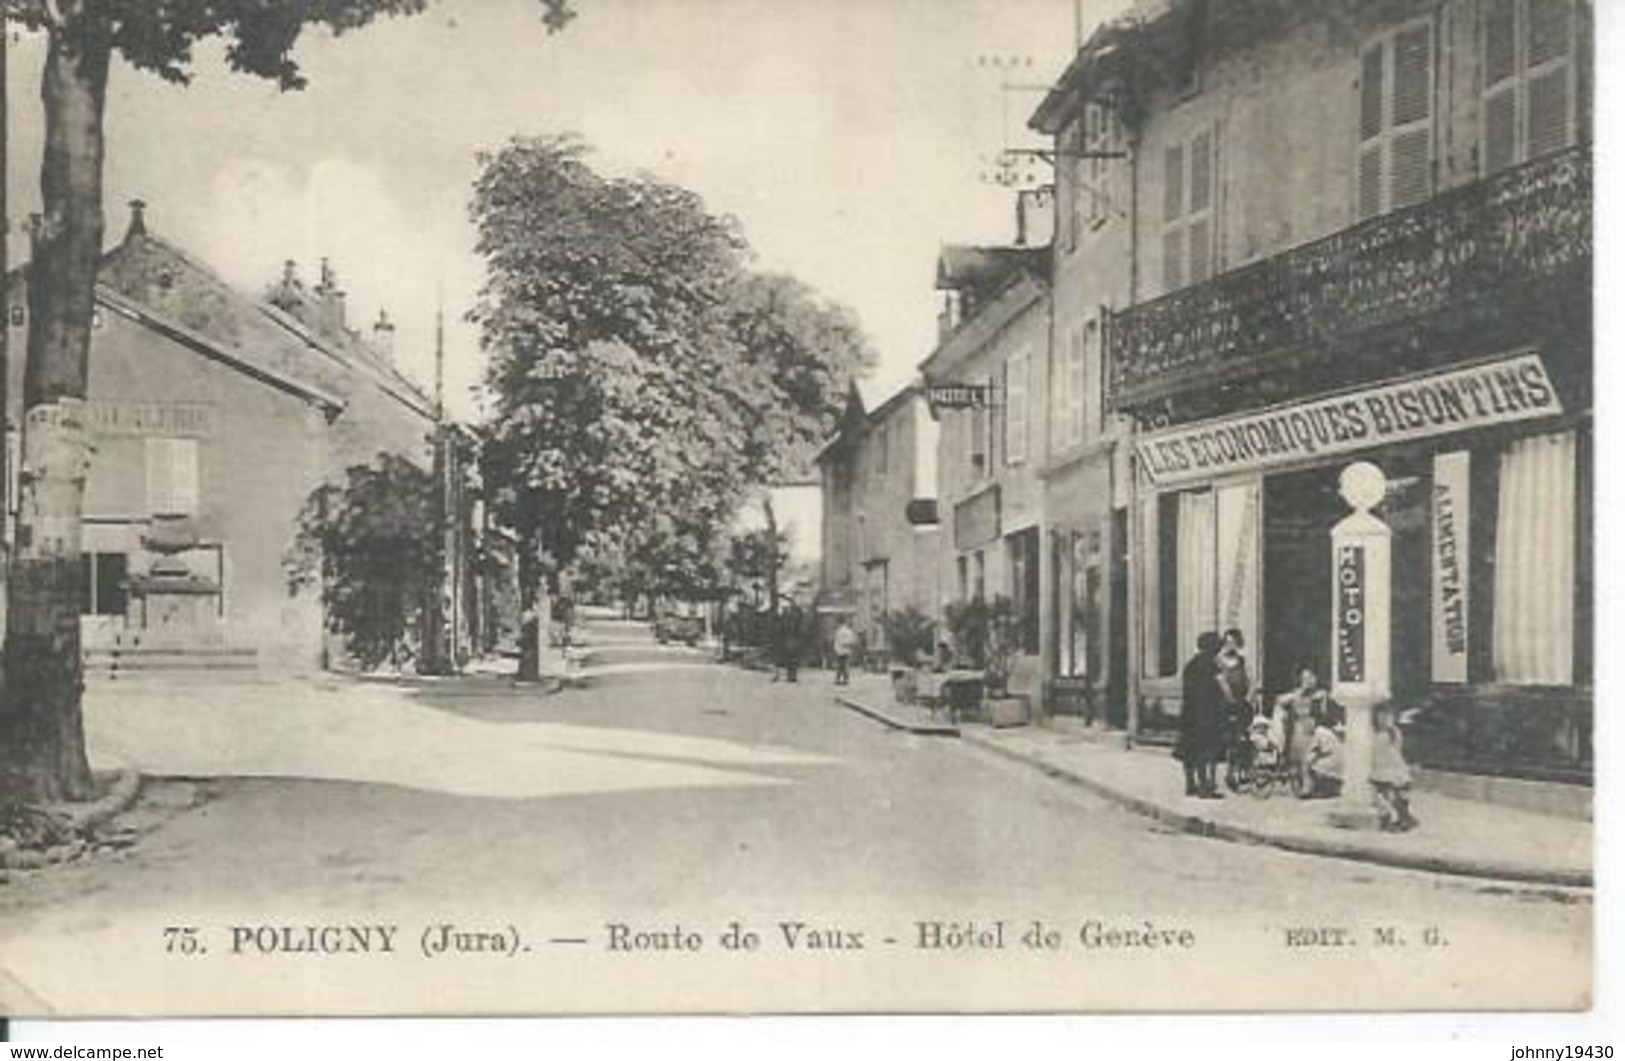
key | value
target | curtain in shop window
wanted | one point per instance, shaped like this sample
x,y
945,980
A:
x,y
1197,569
1534,562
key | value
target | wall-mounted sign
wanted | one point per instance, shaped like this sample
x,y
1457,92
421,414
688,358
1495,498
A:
x,y
959,395
1351,614
1450,506
156,419
1500,392
977,519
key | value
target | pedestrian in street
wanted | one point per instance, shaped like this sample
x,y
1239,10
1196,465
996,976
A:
x,y
1299,712
845,645
1390,774
1326,760
789,641
1200,719
1236,687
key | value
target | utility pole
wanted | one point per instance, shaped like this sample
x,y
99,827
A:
x,y
436,658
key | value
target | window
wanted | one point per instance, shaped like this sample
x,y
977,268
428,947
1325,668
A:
x,y
172,476
1396,121
1189,178
1017,375
1096,140
104,588
1181,590
980,427
1529,87
1069,392
880,453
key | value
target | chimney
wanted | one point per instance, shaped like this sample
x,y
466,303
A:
x,y
332,301
383,337
138,220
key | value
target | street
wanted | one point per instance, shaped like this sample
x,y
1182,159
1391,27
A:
x,y
718,796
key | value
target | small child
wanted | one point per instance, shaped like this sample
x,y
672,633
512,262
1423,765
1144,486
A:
x,y
1390,776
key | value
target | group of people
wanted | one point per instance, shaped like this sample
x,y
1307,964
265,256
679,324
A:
x,y
1301,733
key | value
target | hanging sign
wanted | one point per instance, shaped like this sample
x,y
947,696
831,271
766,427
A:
x,y
959,395
1500,392
1450,502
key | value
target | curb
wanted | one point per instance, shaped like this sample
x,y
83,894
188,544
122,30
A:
x,y
924,729
1196,825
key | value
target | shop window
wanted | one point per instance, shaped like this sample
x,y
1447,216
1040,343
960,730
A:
x,y
104,584
1529,71
1535,559
172,476
1396,121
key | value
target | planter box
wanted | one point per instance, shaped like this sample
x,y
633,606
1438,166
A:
x,y
1004,712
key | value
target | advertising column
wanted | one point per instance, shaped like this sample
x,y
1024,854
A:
x,y
1361,597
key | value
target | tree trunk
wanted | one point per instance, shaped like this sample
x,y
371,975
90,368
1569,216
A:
x,y
772,554
41,726
530,627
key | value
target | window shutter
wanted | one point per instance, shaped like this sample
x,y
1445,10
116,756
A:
x,y
1201,172
1548,31
1501,128
1173,192
1548,111
1500,37
1371,92
1372,148
1410,168
1173,257
1413,75
1201,250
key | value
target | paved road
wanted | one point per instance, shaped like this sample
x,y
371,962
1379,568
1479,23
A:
x,y
732,799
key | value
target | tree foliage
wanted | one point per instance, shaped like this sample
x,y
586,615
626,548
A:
x,y
161,36
644,379
370,545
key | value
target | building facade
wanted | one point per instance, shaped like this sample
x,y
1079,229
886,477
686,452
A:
x,y
1361,233
213,417
879,536
993,348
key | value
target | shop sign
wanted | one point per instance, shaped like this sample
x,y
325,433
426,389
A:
x,y
150,419
1449,504
1499,392
1351,614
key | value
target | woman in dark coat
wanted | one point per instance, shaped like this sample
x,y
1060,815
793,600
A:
x,y
1201,719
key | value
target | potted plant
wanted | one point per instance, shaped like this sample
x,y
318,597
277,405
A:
x,y
1004,643
909,635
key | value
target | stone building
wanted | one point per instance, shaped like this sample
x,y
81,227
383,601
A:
x,y
993,353
1358,232
879,511
213,416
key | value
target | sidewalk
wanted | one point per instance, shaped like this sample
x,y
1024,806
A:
x,y
1457,836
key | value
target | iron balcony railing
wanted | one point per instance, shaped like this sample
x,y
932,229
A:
x,y
1487,248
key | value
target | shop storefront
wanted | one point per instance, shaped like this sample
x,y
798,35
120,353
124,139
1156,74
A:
x,y
1488,472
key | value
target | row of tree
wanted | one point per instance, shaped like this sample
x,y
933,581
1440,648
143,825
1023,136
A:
x,y
645,380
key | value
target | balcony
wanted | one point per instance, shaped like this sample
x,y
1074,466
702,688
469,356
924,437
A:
x,y
1479,268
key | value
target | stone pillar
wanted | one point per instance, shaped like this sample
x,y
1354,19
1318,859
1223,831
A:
x,y
1361,597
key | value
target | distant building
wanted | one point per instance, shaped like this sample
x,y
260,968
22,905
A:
x,y
879,540
993,345
214,416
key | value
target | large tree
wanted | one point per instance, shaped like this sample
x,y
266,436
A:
x,y
804,354
41,729
618,394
